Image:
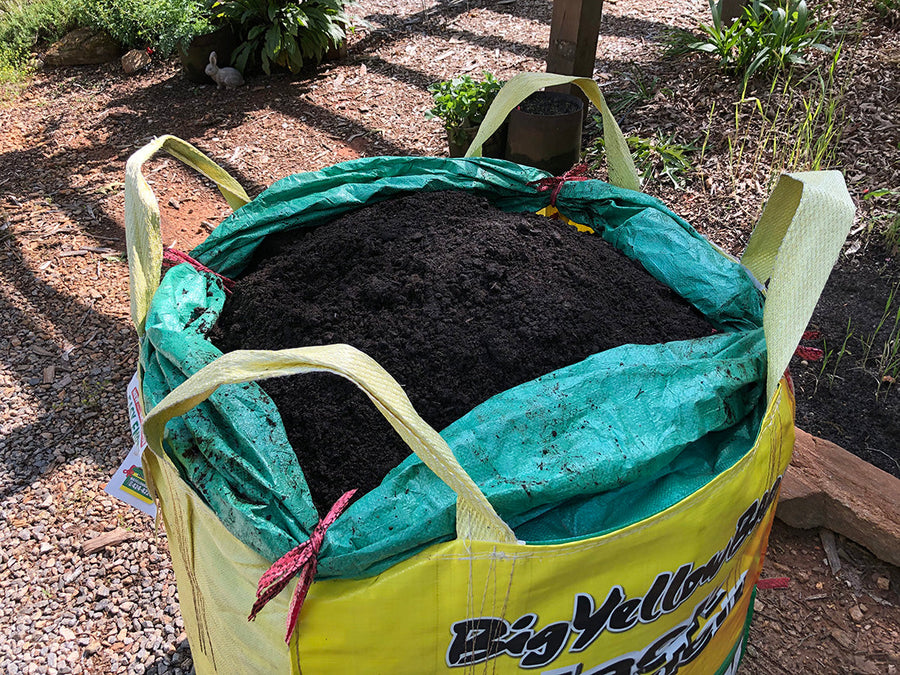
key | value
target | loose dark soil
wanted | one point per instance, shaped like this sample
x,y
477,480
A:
x,y
459,301
852,398
542,103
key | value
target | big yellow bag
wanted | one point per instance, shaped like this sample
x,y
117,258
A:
x,y
669,593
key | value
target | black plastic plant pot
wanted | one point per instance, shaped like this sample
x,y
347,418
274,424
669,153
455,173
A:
x,y
545,131
459,140
195,55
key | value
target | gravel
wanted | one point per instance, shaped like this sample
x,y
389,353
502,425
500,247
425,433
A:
x,y
66,353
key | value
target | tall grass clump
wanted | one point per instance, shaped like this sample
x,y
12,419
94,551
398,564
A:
x,y
797,124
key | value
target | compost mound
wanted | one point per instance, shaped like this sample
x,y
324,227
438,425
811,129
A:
x,y
455,298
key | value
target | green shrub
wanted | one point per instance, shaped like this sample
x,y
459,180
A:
x,y
13,72
283,32
25,24
463,102
159,24
768,37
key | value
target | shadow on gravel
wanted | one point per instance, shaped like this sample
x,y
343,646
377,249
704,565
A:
x,y
69,386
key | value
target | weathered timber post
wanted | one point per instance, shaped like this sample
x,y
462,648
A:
x,y
731,10
574,31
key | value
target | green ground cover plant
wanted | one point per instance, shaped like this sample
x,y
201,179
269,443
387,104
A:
x,y
23,25
159,24
661,155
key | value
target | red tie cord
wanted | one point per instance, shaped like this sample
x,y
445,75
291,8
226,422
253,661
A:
x,y
809,353
773,582
302,559
555,183
175,257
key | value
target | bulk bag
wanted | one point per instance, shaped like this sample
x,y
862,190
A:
x,y
644,566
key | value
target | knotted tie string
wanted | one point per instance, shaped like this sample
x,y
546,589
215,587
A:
x,y
302,559
175,257
555,183
810,353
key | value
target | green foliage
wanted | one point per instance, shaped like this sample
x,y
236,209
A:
x,y
640,89
888,10
13,72
284,33
463,102
887,224
768,37
887,360
24,25
159,24
657,156
797,125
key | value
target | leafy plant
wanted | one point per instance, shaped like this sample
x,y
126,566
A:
x,y
462,102
768,37
888,10
160,24
641,89
23,25
657,156
284,33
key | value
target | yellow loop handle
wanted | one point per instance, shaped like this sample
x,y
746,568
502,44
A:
x,y
143,240
476,519
794,247
621,165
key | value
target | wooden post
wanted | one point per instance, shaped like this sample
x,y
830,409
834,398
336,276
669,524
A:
x,y
731,10
574,32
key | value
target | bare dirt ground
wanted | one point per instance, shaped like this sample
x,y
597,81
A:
x,y
67,347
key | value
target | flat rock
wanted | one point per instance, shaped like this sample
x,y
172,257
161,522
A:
x,y
135,60
826,486
82,46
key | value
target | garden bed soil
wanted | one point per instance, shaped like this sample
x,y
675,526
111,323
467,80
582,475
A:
x,y
456,299
540,103
850,396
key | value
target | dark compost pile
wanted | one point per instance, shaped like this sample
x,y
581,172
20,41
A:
x,y
456,299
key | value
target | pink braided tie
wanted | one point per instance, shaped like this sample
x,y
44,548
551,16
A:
x,y
302,559
555,183
175,257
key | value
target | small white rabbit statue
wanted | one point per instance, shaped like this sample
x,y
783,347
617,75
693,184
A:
x,y
229,78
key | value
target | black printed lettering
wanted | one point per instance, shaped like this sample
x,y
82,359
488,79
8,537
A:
x,y
589,623
670,599
519,635
476,640
546,645
649,611
625,616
